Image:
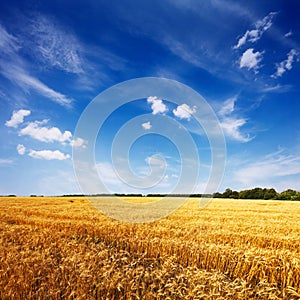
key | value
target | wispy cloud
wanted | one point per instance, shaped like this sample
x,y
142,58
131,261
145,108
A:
x,y
48,155
288,34
255,34
56,46
251,59
5,161
182,51
268,169
227,107
278,88
111,180
143,179
231,124
8,43
287,64
12,66
17,74
17,118
157,105
232,129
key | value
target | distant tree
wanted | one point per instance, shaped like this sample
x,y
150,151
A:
x,y
259,193
234,195
270,194
227,193
218,195
287,195
296,197
244,194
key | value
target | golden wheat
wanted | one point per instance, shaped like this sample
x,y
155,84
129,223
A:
x,y
62,248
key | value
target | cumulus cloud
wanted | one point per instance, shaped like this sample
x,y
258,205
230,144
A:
x,y
48,155
183,111
250,59
21,149
255,34
17,118
45,134
287,64
147,125
78,142
157,105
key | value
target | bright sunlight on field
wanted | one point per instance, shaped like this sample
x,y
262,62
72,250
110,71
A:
x,y
63,248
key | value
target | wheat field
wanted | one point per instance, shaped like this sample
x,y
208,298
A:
x,y
63,248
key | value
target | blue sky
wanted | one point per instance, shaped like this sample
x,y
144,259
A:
x,y
243,57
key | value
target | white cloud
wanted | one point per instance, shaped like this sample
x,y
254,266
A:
x,y
45,134
111,180
21,149
255,34
156,161
231,125
13,68
183,111
17,118
5,161
181,50
108,174
8,43
18,75
157,105
78,142
48,155
278,88
228,106
288,34
286,64
147,125
268,169
56,45
250,59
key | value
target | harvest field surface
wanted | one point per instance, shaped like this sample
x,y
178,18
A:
x,y
63,248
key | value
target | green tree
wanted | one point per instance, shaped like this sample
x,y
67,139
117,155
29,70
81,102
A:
x,y
227,193
287,195
234,195
270,194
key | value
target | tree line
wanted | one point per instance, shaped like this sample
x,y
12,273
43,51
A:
x,y
259,193
255,193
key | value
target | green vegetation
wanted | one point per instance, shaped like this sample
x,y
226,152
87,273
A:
x,y
259,193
